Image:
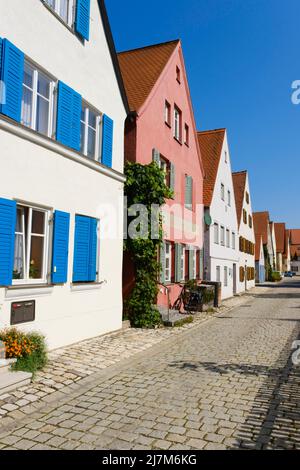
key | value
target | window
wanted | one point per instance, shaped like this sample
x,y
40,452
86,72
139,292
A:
x,y
222,192
63,8
90,133
31,245
193,253
233,240
189,192
178,74
218,273
186,135
177,123
228,238
168,113
216,233
247,198
245,216
222,236
168,265
37,100
226,157
182,263
225,276
165,167
229,198
250,221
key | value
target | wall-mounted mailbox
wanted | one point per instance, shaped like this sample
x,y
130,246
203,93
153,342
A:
x,y
22,312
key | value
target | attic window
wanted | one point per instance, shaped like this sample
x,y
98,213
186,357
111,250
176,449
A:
x,y
226,157
178,74
247,198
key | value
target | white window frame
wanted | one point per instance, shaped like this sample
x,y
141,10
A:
x,y
225,276
233,240
226,156
229,198
222,192
56,9
27,245
228,238
182,264
168,113
177,123
218,273
168,257
36,72
222,237
99,117
216,233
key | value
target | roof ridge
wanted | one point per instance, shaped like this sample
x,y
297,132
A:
x,y
212,131
174,41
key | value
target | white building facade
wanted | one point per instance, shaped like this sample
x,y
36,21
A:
x,y
246,278
62,158
221,257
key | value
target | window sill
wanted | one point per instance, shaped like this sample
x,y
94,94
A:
x,y
83,286
28,290
168,125
178,141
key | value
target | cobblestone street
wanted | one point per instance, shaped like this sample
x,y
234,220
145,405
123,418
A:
x,y
225,383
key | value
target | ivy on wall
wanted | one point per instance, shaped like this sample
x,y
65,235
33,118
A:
x,y
145,185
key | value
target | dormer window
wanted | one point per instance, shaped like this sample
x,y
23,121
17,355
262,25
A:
x,y
178,75
64,9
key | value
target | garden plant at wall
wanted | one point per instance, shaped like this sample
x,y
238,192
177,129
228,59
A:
x,y
145,185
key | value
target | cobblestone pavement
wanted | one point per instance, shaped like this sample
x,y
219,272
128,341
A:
x,y
226,383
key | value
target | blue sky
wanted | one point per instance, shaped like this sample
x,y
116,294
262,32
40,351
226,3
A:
x,y
241,57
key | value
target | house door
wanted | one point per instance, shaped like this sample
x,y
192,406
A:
x,y
234,279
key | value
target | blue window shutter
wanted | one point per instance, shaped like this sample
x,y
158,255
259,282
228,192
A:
x,y
68,116
8,214
107,140
60,256
93,250
1,54
82,21
81,249
12,76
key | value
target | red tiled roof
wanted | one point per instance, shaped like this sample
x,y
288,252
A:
x,y
141,68
239,185
211,144
261,222
280,237
295,237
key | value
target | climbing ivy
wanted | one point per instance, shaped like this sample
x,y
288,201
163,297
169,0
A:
x,y
145,185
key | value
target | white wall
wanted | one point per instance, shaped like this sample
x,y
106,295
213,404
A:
x,y
60,179
248,233
224,215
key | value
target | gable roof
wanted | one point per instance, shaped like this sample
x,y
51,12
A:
x,y
239,185
261,222
280,237
295,236
141,68
113,53
211,144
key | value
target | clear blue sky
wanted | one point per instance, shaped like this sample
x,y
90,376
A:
x,y
241,57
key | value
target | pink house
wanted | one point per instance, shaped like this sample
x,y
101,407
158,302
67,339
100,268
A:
x,y
161,127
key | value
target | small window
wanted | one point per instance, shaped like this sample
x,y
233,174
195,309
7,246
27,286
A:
x,y
226,157
218,273
177,124
182,264
168,265
31,245
186,135
37,100
189,192
228,238
166,168
233,240
222,236
250,221
178,74
225,276
90,133
222,192
168,113
247,198
216,233
245,215
229,198
63,8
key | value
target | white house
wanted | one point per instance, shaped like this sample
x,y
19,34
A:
x,y
246,231
62,141
221,254
260,269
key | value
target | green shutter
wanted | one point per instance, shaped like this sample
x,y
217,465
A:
x,y
156,156
191,258
178,252
172,176
188,192
163,262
